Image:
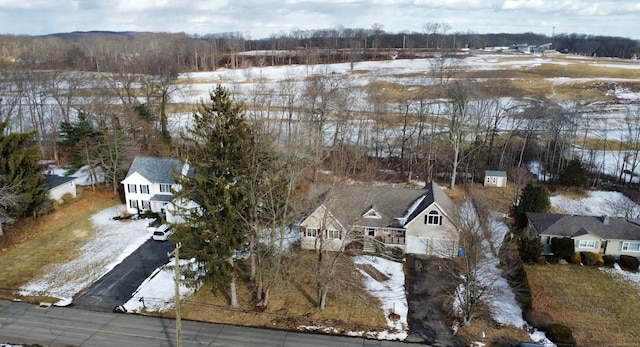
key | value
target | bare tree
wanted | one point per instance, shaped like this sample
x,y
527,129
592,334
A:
x,y
479,265
8,200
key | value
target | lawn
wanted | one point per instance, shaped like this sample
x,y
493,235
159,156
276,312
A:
x,y
601,310
31,246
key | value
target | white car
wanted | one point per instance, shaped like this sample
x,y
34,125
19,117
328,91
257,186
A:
x,y
162,233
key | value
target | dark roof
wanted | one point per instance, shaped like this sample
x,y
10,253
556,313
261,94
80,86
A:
x,y
162,197
54,181
347,203
572,226
157,169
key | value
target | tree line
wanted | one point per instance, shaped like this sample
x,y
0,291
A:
x,y
147,52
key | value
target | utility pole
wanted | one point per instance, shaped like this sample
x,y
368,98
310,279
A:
x,y
176,255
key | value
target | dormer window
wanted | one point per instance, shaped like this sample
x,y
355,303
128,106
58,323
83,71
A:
x,y
433,218
372,214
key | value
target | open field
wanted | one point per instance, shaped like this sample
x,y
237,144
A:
x,y
600,310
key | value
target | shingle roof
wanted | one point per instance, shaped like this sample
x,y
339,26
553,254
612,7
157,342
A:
x,y
348,203
54,181
495,173
156,169
571,226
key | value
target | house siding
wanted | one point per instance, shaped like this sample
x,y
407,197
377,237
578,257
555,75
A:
x,y
424,238
322,220
58,192
138,180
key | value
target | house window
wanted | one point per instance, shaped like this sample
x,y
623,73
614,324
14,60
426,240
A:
x,y
144,189
165,188
333,234
146,205
631,246
493,180
433,218
133,203
311,232
131,188
587,244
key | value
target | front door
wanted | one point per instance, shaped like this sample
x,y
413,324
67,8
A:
x,y
603,247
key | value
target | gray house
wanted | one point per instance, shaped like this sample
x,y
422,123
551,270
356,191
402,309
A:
x,y
605,235
418,221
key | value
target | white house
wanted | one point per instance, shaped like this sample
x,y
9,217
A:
x,y
149,184
495,178
59,186
418,221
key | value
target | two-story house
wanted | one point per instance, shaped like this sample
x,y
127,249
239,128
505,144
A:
x,y
149,184
418,221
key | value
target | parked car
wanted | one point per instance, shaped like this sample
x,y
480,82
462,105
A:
x,y
162,233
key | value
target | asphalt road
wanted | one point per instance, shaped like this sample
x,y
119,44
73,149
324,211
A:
x,y
67,326
116,287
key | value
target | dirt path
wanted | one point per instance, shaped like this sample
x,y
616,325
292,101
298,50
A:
x,y
426,321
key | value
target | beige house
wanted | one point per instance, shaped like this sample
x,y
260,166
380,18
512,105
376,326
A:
x,y
418,221
495,178
605,235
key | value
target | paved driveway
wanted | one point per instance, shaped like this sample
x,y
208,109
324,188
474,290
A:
x,y
116,287
426,285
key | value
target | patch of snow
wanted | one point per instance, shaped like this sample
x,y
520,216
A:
x,y
597,203
113,242
391,294
157,292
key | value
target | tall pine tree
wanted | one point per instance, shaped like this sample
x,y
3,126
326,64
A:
x,y
534,198
218,146
19,158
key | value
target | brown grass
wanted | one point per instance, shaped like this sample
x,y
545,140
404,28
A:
x,y
601,310
32,245
293,302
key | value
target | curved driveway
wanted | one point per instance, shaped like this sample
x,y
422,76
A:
x,y
117,287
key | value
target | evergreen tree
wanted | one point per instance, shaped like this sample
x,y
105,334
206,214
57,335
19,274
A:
x,y
19,170
83,141
574,175
534,198
218,145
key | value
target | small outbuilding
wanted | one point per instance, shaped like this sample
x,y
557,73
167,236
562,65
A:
x,y
495,178
60,186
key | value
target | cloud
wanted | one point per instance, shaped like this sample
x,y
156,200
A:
x,y
262,18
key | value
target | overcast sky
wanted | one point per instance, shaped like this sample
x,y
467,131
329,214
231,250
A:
x,y
260,18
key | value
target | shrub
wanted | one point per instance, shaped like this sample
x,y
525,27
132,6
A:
x,y
629,262
591,258
563,247
608,259
529,248
538,319
575,258
67,197
559,333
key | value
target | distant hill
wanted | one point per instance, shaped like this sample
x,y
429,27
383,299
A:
x,y
76,35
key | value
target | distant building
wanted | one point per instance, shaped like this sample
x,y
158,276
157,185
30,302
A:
x,y
495,178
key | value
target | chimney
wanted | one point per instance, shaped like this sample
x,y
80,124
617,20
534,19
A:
x,y
185,169
605,220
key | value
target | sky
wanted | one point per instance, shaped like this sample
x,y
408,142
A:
x,y
257,19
